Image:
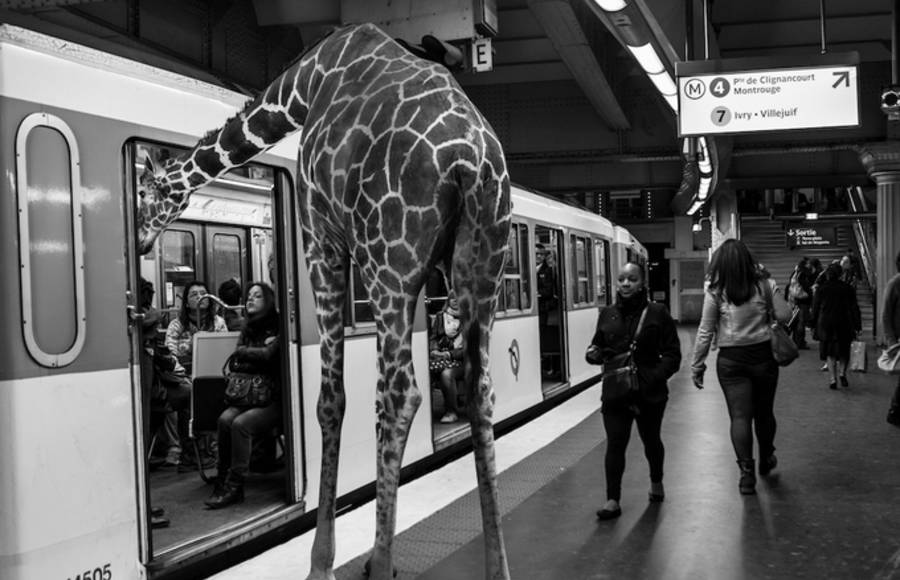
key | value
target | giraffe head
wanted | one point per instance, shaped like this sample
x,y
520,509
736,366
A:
x,y
158,205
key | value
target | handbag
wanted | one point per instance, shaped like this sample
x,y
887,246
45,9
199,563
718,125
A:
x,y
246,389
889,361
619,379
784,351
858,361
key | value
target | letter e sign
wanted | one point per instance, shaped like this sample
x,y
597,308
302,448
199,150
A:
x,y
482,56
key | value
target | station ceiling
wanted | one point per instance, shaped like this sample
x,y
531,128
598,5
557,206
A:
x,y
575,112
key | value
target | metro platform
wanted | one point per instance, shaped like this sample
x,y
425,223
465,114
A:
x,y
831,509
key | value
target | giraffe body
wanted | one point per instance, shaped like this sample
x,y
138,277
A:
x,y
400,173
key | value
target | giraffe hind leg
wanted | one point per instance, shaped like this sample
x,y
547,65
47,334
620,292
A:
x,y
477,271
397,400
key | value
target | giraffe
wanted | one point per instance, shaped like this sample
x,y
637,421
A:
x,y
398,172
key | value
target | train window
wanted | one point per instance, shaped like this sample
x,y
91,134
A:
x,y
227,259
581,262
601,272
179,251
361,313
51,246
515,294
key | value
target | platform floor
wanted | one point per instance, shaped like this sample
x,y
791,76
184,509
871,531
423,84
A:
x,y
832,510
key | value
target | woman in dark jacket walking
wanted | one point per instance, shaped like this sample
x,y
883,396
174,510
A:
x,y
657,357
837,319
257,353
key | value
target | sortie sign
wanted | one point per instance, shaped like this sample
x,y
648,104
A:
x,y
751,95
811,237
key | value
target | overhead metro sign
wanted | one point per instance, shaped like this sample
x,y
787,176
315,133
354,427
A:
x,y
733,96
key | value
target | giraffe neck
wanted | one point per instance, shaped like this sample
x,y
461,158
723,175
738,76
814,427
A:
x,y
280,110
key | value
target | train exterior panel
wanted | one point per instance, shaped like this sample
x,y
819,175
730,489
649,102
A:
x,y
75,492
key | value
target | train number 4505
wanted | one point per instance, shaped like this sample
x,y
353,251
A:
x,y
98,573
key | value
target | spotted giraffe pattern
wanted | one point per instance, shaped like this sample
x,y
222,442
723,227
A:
x,y
399,173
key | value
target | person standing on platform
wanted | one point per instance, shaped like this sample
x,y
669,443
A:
x,y
657,356
835,314
736,311
799,293
890,318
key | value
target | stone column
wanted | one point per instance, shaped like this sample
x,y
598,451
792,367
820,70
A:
x,y
724,218
882,162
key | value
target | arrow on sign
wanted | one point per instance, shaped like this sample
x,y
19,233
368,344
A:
x,y
842,77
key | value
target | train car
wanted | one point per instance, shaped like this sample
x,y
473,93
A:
x,y
81,494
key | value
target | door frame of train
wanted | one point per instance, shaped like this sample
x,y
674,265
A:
x,y
287,250
132,285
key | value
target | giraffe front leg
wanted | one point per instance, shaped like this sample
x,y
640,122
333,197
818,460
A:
x,y
481,412
398,400
329,285
330,414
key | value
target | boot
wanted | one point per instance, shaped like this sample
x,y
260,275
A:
x,y
231,492
747,484
767,465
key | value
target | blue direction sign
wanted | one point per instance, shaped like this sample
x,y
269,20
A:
x,y
750,95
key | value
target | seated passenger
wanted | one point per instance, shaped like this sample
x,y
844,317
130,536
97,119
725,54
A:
x,y
446,356
258,353
230,293
196,315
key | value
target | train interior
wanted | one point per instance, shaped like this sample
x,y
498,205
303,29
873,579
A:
x,y
228,248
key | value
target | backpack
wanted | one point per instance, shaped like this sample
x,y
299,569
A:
x,y
795,289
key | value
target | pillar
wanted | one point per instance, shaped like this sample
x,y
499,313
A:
x,y
724,217
882,162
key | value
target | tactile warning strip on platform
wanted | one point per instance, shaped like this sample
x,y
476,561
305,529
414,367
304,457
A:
x,y
447,530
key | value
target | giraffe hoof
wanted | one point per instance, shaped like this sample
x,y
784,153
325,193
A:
x,y
367,568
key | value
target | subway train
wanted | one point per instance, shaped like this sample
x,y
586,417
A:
x,y
82,482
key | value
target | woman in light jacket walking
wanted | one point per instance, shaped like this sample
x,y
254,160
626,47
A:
x,y
736,309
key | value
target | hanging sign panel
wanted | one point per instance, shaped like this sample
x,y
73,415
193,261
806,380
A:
x,y
752,95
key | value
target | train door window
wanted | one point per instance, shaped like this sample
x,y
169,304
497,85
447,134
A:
x,y
515,296
179,257
228,256
582,294
211,242
361,313
601,272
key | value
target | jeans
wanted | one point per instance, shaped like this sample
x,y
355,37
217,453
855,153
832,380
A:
x,y
895,400
237,427
179,397
750,395
799,334
617,423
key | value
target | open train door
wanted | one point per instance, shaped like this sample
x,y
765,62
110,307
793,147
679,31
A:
x,y
176,527
549,256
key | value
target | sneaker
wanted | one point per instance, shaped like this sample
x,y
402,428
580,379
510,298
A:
x,y
894,417
449,418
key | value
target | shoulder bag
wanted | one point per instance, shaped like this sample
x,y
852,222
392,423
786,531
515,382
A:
x,y
619,373
246,389
784,351
889,361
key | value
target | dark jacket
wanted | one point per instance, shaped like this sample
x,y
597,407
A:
x,y
657,355
890,311
835,311
258,353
